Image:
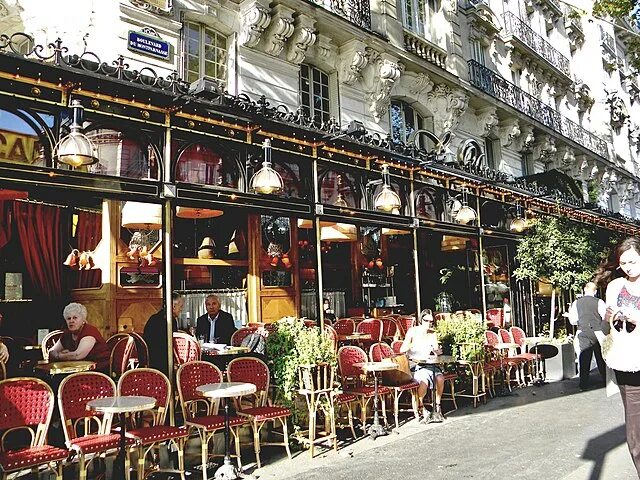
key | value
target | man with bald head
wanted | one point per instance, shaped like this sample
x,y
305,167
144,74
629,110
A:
x,y
587,312
216,326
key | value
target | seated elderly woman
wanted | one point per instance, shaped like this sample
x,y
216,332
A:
x,y
80,340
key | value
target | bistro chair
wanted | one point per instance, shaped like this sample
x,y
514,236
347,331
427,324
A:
x,y
519,337
120,359
381,351
49,340
373,327
353,379
396,345
199,412
405,323
504,362
389,328
260,410
241,334
115,338
148,382
344,326
27,404
332,335
74,393
3,371
528,359
185,349
141,351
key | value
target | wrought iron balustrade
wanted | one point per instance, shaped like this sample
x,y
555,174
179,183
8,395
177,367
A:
x,y
523,32
496,86
607,40
357,12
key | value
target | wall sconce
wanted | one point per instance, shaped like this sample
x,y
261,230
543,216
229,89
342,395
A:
x,y
266,180
75,149
387,200
465,214
518,224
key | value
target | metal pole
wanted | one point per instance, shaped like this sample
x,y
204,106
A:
x,y
416,259
316,222
480,259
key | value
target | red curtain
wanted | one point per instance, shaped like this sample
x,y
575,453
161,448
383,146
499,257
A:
x,y
5,223
42,231
88,234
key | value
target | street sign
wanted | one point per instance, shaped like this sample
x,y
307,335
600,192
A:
x,y
148,45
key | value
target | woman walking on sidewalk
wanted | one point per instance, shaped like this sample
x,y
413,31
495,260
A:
x,y
621,273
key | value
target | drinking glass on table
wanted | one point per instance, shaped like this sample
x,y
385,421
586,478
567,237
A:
x,y
201,340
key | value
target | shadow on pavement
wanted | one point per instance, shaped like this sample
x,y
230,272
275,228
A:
x,y
597,449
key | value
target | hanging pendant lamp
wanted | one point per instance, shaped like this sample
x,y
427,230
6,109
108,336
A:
x,y
266,180
75,149
387,200
465,215
196,213
142,216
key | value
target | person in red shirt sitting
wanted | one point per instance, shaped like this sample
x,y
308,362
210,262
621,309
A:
x,y
80,340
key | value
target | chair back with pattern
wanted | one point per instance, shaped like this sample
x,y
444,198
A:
x,y
121,356
389,327
491,338
49,340
405,323
189,377
505,336
332,335
115,338
440,316
495,317
241,334
396,345
347,357
147,382
141,350
185,349
74,393
251,370
518,335
373,327
380,351
25,403
344,326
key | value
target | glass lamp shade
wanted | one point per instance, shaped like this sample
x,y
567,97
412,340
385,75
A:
x,y
75,150
266,180
195,213
465,215
142,216
306,223
387,200
394,231
518,225
331,233
341,201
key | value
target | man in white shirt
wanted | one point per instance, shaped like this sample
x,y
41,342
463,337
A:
x,y
588,312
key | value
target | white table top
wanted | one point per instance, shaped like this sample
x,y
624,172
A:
x,y
121,404
376,366
226,389
435,359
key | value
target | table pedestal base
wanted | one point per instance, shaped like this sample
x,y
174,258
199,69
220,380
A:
x,y
376,430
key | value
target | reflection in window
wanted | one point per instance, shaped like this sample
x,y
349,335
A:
x,y
201,165
122,155
19,139
337,188
427,204
290,173
205,53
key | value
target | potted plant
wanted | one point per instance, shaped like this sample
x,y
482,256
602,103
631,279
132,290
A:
x,y
461,336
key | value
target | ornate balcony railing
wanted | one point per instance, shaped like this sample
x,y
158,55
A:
x,y
357,12
607,41
523,32
496,86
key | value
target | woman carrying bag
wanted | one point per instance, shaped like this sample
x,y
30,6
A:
x,y
621,273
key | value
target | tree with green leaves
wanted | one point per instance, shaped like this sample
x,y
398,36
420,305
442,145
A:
x,y
618,10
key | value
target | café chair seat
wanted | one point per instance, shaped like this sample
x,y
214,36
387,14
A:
x,y
214,422
265,413
157,433
30,457
99,443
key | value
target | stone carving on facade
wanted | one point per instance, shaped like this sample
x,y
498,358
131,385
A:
x,y
525,141
255,19
583,98
280,29
487,121
617,110
420,83
575,33
353,58
324,52
547,149
634,136
4,10
386,73
166,10
450,9
609,61
304,36
508,131
567,161
447,106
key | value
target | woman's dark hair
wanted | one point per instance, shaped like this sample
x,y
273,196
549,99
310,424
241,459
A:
x,y
608,269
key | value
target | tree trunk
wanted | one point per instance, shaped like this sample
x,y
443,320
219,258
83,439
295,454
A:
x,y
552,314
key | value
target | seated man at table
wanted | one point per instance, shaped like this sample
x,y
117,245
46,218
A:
x,y
80,340
216,326
420,342
155,333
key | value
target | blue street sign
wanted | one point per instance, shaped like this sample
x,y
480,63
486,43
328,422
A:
x,y
148,45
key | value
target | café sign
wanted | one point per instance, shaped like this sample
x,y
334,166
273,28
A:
x,y
147,43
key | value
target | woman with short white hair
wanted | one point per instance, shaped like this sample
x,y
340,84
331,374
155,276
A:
x,y
80,340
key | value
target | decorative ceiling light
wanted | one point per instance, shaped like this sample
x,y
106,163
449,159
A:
x,y
519,223
196,213
266,180
387,200
75,149
332,233
142,216
465,214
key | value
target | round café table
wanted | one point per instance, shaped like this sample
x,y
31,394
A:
x,y
121,405
376,429
352,337
66,367
226,390
432,361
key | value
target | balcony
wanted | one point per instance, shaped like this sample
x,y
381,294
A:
x,y
357,12
423,48
535,44
490,82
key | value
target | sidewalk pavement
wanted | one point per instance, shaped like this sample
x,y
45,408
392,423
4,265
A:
x,y
550,432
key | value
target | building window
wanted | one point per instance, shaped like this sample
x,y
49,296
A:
x,y
418,16
477,51
404,120
205,53
526,164
314,92
490,153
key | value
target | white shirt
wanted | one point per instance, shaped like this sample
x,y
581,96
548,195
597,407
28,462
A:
x,y
212,328
573,311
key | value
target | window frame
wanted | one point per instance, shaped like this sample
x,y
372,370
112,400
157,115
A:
x,y
478,51
418,18
310,108
220,64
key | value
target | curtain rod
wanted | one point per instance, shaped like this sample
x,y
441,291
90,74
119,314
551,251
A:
x,y
212,290
40,202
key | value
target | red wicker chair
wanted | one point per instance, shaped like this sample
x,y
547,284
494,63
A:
x,y
206,421
74,393
352,379
344,326
119,362
27,404
405,323
241,334
152,383
185,349
396,345
377,353
49,340
331,333
506,363
373,327
389,328
260,411
519,337
141,350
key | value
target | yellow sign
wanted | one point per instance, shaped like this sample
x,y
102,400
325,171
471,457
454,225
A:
x,y
18,147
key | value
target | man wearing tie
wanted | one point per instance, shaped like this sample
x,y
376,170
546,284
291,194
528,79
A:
x,y
216,326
